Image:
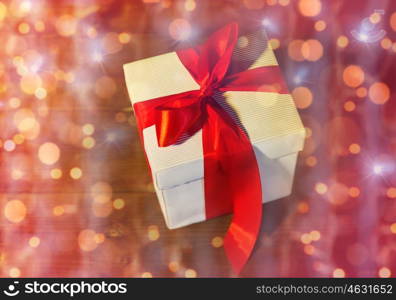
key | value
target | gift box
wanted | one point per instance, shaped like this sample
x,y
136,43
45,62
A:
x,y
268,117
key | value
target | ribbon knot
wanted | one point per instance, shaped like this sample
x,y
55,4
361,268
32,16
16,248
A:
x,y
206,92
231,175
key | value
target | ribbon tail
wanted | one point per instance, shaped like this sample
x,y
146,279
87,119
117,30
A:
x,y
231,162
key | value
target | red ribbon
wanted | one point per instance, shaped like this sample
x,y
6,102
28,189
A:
x,y
231,173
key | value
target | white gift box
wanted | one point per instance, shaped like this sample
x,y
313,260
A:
x,y
270,119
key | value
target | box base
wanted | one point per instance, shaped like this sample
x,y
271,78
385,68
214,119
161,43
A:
x,y
185,204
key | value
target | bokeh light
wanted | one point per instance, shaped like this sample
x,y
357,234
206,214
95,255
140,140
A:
x,y
124,37
354,148
15,211
309,8
384,272
190,5
49,153
320,25
76,173
3,11
338,273
118,203
393,21
14,272
254,4
386,43
342,41
9,145
302,97
311,161
295,50
393,228
147,275
88,129
56,173
321,188
66,25
305,238
379,93
30,83
190,273
353,76
303,207
23,28
349,106
34,242
275,43
312,50
361,92
217,242
284,2
180,29
58,210
391,192
153,233
101,192
174,266
354,192
86,240
88,142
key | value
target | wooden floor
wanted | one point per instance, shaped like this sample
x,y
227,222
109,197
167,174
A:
x,y
89,209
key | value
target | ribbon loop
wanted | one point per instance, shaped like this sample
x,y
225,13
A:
x,y
208,63
178,118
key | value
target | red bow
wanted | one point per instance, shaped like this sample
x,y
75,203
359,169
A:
x,y
231,174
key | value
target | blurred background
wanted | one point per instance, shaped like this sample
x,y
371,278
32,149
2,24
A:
x,y
76,197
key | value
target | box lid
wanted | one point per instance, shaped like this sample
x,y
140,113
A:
x,y
270,119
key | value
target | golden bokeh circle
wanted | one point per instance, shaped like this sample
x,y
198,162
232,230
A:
x,y
353,76
15,211
391,192
294,50
354,148
349,106
217,242
392,21
312,50
34,242
361,92
76,173
342,41
354,192
302,97
379,93
87,240
384,272
253,4
49,153
310,8
320,25
321,188
338,273
66,25
3,11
